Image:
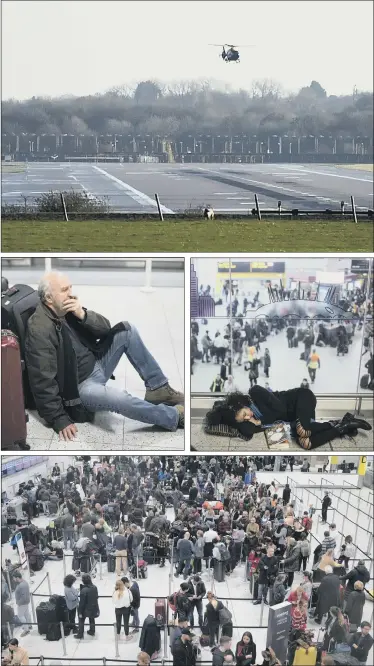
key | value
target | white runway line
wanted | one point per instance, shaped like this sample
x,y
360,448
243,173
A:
x,y
136,195
332,175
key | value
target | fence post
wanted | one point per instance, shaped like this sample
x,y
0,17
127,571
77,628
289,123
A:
x,y
148,289
257,207
64,207
49,584
279,208
354,213
33,608
160,214
63,639
116,639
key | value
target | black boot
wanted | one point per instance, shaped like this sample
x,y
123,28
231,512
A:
x,y
347,429
359,423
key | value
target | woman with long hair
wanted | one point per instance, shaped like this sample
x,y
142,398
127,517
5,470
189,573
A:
x,y
251,413
336,631
122,599
245,652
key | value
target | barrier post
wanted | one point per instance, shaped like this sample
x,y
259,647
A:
x,y
49,584
64,563
171,568
100,568
33,608
148,289
116,639
63,639
262,611
137,565
7,575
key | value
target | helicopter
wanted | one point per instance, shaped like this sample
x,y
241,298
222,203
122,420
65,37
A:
x,y
229,52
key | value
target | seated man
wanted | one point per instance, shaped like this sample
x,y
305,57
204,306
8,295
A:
x,y
70,355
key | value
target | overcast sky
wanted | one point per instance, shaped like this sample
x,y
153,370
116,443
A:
x,y
60,47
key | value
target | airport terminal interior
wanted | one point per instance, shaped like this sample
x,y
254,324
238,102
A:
x,y
164,496
147,293
281,324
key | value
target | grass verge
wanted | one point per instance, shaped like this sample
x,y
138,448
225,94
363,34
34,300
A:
x,y
12,168
357,167
186,236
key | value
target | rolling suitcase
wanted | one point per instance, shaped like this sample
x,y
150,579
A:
x,y
364,382
149,555
160,612
111,563
18,303
305,656
219,571
14,417
53,631
45,615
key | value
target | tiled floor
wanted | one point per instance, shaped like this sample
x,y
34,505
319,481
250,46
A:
x,y
159,318
202,442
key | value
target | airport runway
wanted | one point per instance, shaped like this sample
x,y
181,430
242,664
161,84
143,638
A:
x,y
181,187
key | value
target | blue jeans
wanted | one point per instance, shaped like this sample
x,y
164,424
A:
x,y
97,397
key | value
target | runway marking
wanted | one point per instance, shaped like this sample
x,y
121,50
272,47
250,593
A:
x,y
214,193
136,195
276,187
332,175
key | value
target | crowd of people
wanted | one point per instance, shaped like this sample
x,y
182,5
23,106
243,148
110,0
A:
x,y
205,517
246,345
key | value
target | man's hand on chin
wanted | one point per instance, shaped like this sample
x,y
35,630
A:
x,y
73,305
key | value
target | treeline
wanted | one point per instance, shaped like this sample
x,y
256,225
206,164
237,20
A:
x,y
168,110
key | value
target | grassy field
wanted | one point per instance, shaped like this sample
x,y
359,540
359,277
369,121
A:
x,y
186,236
358,167
12,168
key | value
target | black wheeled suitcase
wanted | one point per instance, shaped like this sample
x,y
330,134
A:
x,y
85,564
149,555
111,563
219,571
45,615
53,631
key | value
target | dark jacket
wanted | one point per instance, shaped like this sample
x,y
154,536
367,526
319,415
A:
x,y
183,653
359,572
48,354
355,606
364,645
134,589
291,561
276,406
267,568
150,641
245,654
183,605
328,594
218,656
88,601
200,589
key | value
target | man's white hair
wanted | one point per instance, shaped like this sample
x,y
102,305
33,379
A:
x,y
44,287
328,569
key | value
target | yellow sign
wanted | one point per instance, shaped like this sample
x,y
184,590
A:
x,y
334,460
362,466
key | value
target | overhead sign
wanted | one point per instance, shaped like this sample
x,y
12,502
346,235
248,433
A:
x,y
252,267
21,550
360,266
279,624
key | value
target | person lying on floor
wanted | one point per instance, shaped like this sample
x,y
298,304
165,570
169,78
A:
x,y
71,353
258,409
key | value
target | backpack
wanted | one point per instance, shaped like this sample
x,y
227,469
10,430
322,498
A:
x,y
172,601
225,616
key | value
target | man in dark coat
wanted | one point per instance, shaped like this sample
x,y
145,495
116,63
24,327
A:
x,y
361,643
326,503
183,652
359,572
150,641
88,606
71,353
328,594
267,568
